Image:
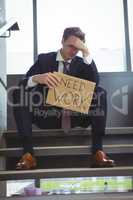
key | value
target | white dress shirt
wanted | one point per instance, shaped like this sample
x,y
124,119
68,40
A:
x,y
59,58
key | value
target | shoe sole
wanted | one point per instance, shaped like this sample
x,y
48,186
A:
x,y
107,165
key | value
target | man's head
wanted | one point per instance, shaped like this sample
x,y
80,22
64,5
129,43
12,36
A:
x,y
72,39
73,31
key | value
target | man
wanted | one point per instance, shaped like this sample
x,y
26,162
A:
x,y
40,76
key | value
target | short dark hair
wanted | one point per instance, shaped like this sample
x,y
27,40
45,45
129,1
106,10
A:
x,y
74,31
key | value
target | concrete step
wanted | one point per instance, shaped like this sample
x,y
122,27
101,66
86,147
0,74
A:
x,y
71,161
59,149
67,150
109,130
76,131
65,172
72,137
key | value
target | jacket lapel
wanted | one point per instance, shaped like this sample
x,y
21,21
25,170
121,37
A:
x,y
53,66
74,68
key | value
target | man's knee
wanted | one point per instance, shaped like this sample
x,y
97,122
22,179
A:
x,y
16,95
101,91
99,98
100,95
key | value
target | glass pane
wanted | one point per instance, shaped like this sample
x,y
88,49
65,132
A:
x,y
17,187
86,185
102,21
20,44
130,12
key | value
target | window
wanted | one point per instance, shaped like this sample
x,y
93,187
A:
x,y
20,44
102,21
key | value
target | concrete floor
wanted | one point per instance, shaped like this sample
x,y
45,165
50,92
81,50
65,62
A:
x,y
101,196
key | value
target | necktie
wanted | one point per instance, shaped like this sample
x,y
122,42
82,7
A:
x,y
66,120
66,67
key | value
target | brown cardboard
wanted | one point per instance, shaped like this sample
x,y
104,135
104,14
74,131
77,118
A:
x,y
72,93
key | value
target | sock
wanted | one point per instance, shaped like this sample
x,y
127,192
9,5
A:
x,y
97,143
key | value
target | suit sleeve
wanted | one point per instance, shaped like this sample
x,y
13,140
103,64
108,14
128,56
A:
x,y
35,69
90,72
94,72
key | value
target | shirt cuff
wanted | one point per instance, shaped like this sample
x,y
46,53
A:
x,y
87,60
31,83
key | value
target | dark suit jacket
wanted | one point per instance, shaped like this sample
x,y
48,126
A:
x,y
47,63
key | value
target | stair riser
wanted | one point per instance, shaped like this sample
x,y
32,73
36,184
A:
x,y
71,161
69,140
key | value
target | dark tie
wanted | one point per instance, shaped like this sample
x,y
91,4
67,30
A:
x,y
66,120
66,67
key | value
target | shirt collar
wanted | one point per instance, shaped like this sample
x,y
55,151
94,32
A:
x,y
60,58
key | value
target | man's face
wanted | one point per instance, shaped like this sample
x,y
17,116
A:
x,y
69,49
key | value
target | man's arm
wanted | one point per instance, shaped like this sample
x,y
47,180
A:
x,y
35,76
90,70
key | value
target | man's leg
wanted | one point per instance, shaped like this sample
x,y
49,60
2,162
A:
x,y
98,113
23,118
23,113
28,108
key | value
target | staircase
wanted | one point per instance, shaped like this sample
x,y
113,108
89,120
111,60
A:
x,y
60,154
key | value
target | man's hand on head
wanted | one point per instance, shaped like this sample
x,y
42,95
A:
x,y
79,44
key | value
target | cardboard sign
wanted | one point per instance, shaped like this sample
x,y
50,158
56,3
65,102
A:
x,y
72,93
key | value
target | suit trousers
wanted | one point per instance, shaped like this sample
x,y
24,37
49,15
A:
x,y
30,108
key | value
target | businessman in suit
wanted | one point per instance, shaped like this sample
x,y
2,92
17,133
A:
x,y
40,78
